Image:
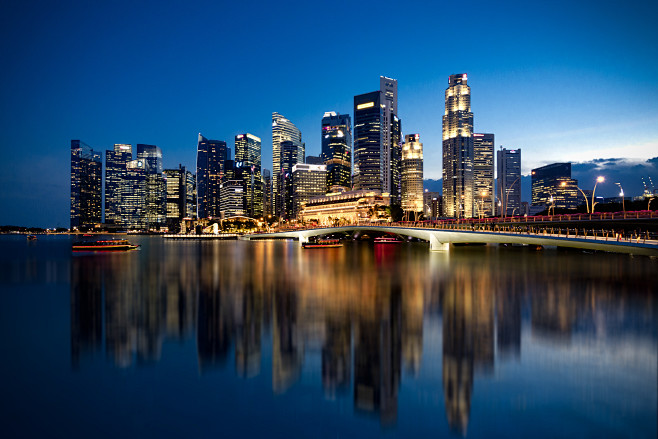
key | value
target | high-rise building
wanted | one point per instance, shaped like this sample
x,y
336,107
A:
x,y
283,130
190,195
232,198
156,190
133,195
210,163
116,161
483,174
313,160
377,139
553,187
433,205
248,160
307,181
177,196
458,149
86,185
284,195
412,174
267,193
337,149
508,182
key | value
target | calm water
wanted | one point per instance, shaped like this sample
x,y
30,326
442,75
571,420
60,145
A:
x,y
265,339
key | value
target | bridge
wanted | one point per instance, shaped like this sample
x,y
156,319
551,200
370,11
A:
x,y
440,237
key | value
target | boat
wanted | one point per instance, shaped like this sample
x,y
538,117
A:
x,y
104,246
31,237
323,243
386,240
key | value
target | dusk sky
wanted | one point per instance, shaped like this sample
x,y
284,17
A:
x,y
563,80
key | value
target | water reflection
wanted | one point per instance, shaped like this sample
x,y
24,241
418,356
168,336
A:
x,y
364,307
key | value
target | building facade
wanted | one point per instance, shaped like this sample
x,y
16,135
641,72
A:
x,y
307,181
433,204
210,163
267,194
352,207
86,186
509,181
116,160
133,195
232,198
178,201
412,174
337,149
156,190
248,161
553,187
458,149
285,195
283,131
483,175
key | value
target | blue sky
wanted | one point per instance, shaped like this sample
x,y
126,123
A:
x,y
563,81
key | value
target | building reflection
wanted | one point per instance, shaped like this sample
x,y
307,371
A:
x,y
363,312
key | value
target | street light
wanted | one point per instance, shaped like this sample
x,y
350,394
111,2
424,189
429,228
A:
x,y
584,196
506,194
482,194
621,194
599,179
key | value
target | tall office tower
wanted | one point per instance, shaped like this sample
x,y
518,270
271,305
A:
x,y
248,159
210,161
337,149
133,195
368,133
458,149
508,182
552,186
307,181
267,194
177,197
377,138
156,189
412,174
190,195
483,175
432,201
115,168
283,130
284,196
313,160
86,185
232,198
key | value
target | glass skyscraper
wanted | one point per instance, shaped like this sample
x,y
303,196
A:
x,y
483,174
248,162
86,185
307,181
156,192
284,195
458,149
116,161
283,130
133,195
337,149
552,186
508,181
210,167
412,174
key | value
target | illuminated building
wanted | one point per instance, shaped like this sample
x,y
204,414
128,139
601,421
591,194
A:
x,y
190,195
133,195
313,160
377,138
433,206
458,149
248,161
285,195
115,169
156,192
86,185
267,193
483,174
232,198
307,181
337,149
177,196
348,207
210,162
553,187
283,131
412,174
509,180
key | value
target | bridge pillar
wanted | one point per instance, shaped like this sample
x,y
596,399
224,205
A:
x,y
438,246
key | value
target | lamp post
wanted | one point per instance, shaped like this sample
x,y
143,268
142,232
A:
x,y
507,191
599,179
621,194
584,196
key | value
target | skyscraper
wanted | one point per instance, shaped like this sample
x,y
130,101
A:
x,y
509,181
283,130
483,174
248,160
177,196
458,149
412,174
307,181
284,196
377,138
337,149
156,190
86,185
133,189
267,193
210,163
553,187
116,161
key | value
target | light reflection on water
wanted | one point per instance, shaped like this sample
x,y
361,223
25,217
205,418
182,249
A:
x,y
481,341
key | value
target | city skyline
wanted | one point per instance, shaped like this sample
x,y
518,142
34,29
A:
x,y
570,91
